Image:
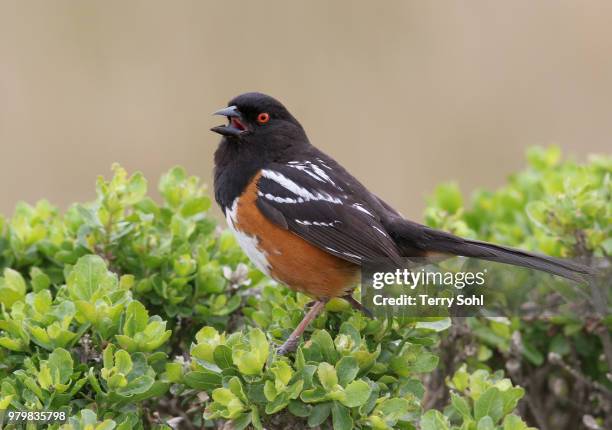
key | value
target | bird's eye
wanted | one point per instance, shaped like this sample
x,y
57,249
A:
x,y
263,118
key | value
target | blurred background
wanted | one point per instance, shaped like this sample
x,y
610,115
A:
x,y
405,94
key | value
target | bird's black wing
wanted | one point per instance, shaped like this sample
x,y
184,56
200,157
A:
x,y
321,205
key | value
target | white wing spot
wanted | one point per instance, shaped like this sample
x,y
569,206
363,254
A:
x,y
358,206
317,223
384,233
322,163
313,171
297,189
322,174
348,254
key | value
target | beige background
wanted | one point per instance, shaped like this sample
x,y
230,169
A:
x,y
406,94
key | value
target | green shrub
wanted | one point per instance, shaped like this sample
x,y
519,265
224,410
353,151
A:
x,y
564,209
90,299
125,313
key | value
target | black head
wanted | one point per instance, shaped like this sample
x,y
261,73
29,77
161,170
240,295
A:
x,y
260,131
258,118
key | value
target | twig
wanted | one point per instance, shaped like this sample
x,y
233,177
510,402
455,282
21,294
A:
x,y
599,299
535,407
557,360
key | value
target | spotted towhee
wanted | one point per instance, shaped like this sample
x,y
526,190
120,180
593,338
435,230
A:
x,y
308,223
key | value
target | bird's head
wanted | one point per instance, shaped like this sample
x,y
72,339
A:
x,y
255,118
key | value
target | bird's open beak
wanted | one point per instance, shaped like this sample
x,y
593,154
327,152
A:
x,y
235,126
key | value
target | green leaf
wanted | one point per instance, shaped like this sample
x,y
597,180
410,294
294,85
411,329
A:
x,y
12,288
157,340
434,420
299,409
413,359
314,395
208,339
357,393
324,342
5,401
485,423
347,369
126,342
435,324
278,404
319,414
137,386
233,406
106,425
173,372
157,389
490,403
195,206
255,420
136,189
45,380
448,197
461,379
327,375
250,361
93,381
136,318
461,406
236,388
510,398
40,280
341,417
90,279
270,391
123,362
115,381
223,357
393,408
60,363
282,373
12,344
14,281
426,362
241,422
203,380
170,186
514,422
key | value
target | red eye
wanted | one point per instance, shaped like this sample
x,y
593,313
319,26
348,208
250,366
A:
x,y
263,118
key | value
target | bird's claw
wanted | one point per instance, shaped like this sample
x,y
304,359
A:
x,y
290,345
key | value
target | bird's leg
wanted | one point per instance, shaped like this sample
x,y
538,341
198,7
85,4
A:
x,y
291,343
355,304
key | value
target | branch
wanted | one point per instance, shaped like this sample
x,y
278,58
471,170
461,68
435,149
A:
x,y
556,359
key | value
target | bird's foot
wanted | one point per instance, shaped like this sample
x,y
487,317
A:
x,y
356,305
290,345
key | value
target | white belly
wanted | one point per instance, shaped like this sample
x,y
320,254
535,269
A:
x,y
246,242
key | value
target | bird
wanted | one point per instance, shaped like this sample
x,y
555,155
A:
x,y
306,222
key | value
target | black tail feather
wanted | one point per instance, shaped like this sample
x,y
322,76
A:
x,y
414,239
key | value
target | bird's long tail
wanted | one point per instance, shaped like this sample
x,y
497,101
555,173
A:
x,y
415,239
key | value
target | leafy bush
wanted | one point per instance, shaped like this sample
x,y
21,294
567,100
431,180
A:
x,y
564,360
125,313
81,296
